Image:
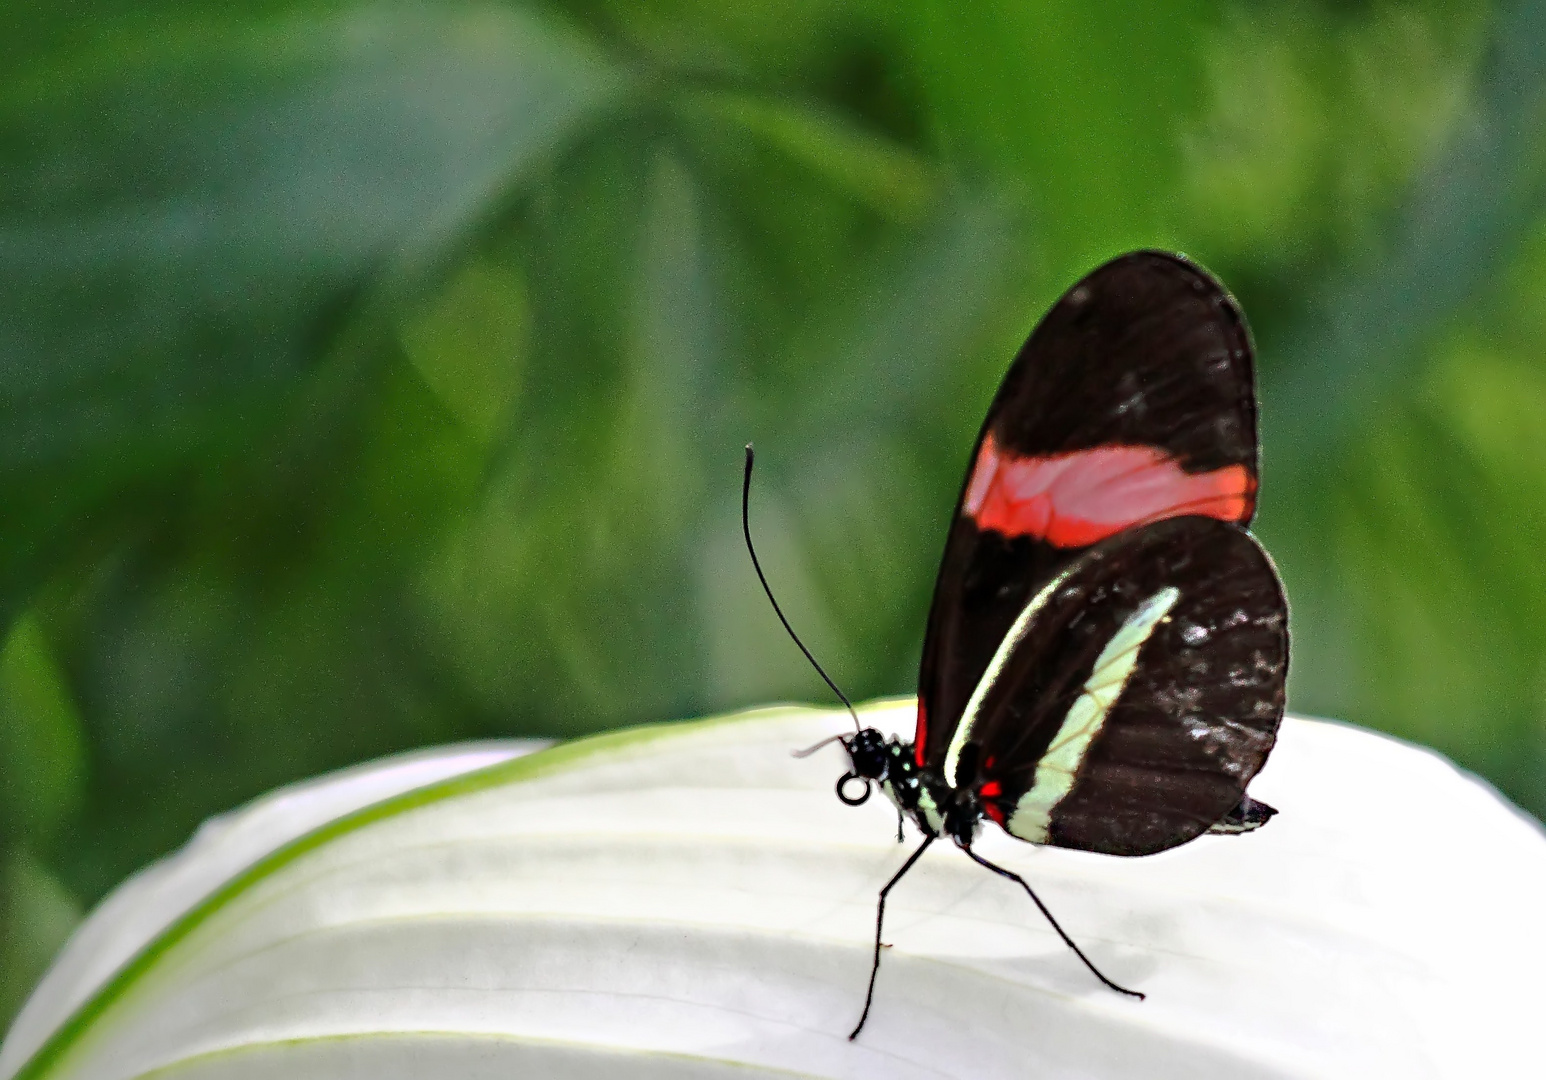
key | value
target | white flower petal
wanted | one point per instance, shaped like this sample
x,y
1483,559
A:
x,y
149,901
690,901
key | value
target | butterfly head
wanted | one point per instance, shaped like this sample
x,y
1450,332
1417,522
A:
x,y
874,758
869,754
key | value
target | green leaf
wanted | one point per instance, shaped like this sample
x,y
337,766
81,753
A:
x,y
1079,104
471,344
1463,222
887,177
37,914
42,747
1319,120
190,212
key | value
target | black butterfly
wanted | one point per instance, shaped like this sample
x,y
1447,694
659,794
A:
x,y
1106,653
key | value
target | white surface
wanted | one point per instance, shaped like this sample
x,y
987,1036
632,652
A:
x,y
696,903
149,901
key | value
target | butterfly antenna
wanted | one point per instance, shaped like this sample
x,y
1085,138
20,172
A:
x,y
746,529
809,750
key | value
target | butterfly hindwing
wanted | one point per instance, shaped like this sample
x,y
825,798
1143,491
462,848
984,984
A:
x,y
1131,402
1136,695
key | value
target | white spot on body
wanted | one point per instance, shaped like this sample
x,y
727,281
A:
x,y
1193,634
931,812
1059,766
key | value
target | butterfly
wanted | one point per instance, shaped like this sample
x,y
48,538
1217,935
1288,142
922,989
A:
x,y
1105,659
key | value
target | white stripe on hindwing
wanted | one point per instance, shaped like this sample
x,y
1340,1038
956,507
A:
x,y
995,667
1059,766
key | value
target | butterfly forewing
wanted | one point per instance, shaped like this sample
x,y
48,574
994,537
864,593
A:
x,y
1138,694
1132,402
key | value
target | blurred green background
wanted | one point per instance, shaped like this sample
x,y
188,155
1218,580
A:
x,y
374,376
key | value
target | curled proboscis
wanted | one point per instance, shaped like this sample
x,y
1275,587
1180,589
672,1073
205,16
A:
x,y
852,800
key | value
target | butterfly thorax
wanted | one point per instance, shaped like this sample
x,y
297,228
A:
x,y
919,792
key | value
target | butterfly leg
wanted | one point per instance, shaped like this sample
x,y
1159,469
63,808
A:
x,y
999,870
899,836
880,916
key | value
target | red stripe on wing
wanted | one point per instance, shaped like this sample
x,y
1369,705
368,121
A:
x,y
1076,499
